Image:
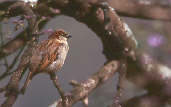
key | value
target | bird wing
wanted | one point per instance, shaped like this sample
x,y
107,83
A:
x,y
49,50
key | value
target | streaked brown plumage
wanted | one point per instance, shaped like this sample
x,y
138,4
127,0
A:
x,y
45,57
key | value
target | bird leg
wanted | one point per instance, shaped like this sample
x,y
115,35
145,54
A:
x,y
54,78
28,80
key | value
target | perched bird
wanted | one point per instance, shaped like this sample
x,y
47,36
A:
x,y
45,57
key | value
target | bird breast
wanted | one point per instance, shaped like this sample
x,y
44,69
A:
x,y
61,56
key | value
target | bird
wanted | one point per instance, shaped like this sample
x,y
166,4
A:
x,y
47,57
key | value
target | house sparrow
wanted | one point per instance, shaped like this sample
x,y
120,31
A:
x,y
45,57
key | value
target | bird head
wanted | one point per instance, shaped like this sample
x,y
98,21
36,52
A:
x,y
60,34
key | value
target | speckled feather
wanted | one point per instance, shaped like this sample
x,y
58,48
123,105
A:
x,y
47,52
43,57
47,56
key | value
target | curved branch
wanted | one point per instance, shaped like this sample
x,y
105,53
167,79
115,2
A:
x,y
133,8
138,9
123,7
82,90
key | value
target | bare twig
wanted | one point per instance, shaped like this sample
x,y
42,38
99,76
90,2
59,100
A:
x,y
4,75
7,72
16,58
8,67
21,39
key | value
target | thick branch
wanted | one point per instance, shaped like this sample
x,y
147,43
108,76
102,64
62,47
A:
x,y
10,101
133,8
83,89
123,7
116,34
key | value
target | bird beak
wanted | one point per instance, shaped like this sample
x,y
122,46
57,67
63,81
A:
x,y
69,36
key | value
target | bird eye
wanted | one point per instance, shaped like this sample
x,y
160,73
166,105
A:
x,y
64,34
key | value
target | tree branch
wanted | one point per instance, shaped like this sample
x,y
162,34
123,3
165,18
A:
x,y
137,9
14,10
123,7
83,89
116,36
